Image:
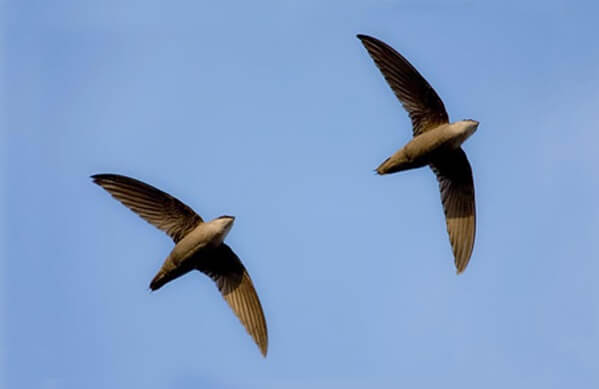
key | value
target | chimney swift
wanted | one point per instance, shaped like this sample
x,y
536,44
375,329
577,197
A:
x,y
436,143
198,246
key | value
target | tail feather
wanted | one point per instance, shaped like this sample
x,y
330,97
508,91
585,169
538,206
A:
x,y
169,271
158,281
383,167
399,162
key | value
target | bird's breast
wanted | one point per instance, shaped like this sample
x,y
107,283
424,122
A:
x,y
428,142
204,235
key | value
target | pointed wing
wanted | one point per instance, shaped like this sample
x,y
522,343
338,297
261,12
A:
x,y
424,106
156,207
235,284
457,195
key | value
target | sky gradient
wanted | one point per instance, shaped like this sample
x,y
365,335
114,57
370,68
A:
x,y
273,112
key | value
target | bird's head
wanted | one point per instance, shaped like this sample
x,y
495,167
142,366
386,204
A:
x,y
225,222
471,126
462,130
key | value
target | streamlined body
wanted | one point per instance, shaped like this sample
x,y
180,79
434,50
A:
x,y
199,246
436,143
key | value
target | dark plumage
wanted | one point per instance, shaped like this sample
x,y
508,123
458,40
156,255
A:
x,y
198,246
436,143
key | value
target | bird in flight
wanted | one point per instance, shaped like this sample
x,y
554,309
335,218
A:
x,y
436,143
198,246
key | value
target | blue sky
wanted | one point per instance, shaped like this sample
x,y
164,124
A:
x,y
272,111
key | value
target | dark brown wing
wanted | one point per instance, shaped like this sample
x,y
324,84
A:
x,y
235,284
424,106
457,194
156,207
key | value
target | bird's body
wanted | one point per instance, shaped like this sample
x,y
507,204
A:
x,y
436,143
421,149
189,253
199,246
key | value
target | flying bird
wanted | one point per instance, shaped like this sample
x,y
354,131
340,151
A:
x,y
198,246
436,143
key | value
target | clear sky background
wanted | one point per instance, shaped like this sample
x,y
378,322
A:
x,y
272,111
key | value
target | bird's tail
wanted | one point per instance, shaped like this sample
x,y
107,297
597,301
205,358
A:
x,y
393,165
158,280
397,163
384,168
169,271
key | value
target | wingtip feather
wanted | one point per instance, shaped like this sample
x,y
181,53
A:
x,y
363,37
100,177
